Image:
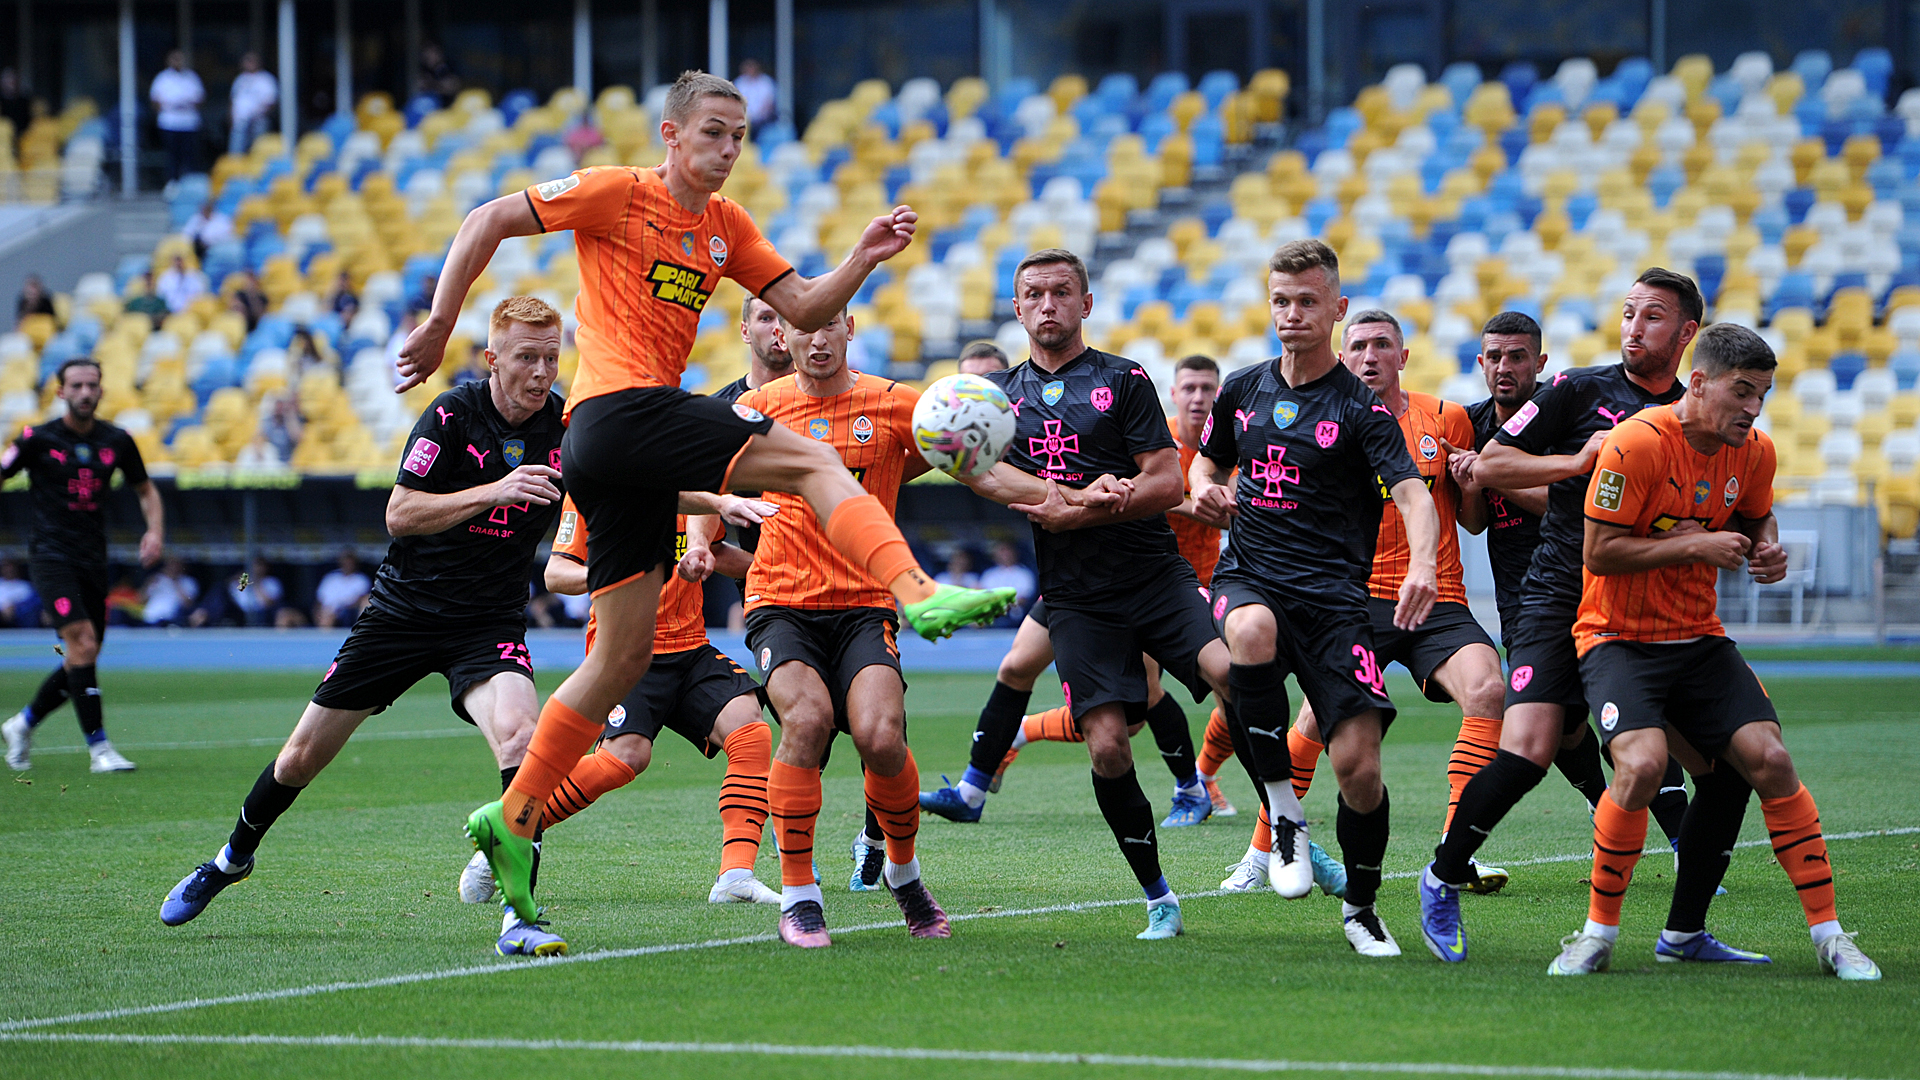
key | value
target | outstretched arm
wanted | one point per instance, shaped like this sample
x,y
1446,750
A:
x,y
811,303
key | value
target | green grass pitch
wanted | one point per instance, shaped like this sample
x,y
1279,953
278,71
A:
x,y
356,883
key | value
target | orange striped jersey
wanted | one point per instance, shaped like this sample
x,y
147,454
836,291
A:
x,y
1427,421
1648,480
682,623
871,425
647,267
1199,542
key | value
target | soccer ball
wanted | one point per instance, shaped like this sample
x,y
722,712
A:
x,y
963,424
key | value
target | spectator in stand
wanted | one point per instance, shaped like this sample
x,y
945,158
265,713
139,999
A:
x,y
177,96
305,353
980,357
280,424
170,595
1008,572
207,227
342,593
959,571
346,302
19,604
33,299
180,285
148,302
15,103
436,75
255,93
249,299
762,94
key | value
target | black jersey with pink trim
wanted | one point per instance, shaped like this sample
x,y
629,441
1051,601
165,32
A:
x,y
1087,419
1512,532
68,475
1317,463
478,568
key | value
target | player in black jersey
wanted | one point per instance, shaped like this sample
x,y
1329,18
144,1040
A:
x,y
478,489
1094,466
1552,439
70,463
1317,456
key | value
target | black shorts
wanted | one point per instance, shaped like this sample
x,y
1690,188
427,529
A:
x,y
1038,612
1097,646
837,645
1702,689
1330,651
628,455
684,692
384,655
1450,627
70,593
1542,664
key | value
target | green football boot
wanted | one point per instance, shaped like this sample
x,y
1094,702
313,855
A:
x,y
510,856
952,607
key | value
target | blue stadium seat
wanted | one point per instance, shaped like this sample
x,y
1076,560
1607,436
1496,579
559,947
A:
x,y
1905,366
1847,367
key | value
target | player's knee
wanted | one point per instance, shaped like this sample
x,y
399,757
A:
x,y
1359,779
297,764
883,753
514,743
1485,695
804,732
82,645
634,752
1771,771
1252,634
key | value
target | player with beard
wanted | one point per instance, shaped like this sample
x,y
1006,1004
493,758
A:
x,y
69,463
1318,455
1554,439
1094,466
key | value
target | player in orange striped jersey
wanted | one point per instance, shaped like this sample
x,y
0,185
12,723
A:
x,y
1450,656
822,630
1679,493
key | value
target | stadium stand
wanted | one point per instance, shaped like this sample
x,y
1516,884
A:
x,y
1786,193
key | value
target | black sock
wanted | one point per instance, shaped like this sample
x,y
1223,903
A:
x,y
86,702
1363,843
1707,837
533,875
1168,722
506,778
999,723
1130,816
1486,799
873,827
52,694
1260,700
1669,807
1243,749
1581,766
265,803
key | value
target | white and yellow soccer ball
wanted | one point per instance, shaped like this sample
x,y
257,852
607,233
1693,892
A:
x,y
963,424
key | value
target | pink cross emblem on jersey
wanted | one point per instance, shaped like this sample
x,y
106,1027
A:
x,y
1102,398
1325,433
1055,445
1274,471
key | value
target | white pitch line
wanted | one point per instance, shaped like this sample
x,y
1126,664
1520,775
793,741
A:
x,y
599,955
906,1053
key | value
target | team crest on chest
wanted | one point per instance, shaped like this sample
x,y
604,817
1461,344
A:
x,y
1428,448
717,248
1102,398
1326,433
513,451
83,453
819,428
106,455
686,244
862,429
1700,492
1053,391
1285,413
1733,490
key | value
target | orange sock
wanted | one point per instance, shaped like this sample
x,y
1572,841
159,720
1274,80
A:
x,y
895,800
594,776
743,796
1474,750
1263,831
1618,838
1793,827
1054,725
793,794
1216,749
560,740
863,530
1306,758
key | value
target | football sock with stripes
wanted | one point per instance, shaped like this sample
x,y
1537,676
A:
x,y
1174,737
1793,828
265,803
793,798
53,693
1705,846
1304,751
1262,831
1669,807
561,738
1216,746
1580,764
993,736
1486,799
84,687
1053,725
1619,835
1474,750
1130,816
863,531
743,795
895,801
1363,844
593,776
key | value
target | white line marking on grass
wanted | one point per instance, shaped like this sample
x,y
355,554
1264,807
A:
x,y
907,1053
599,955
